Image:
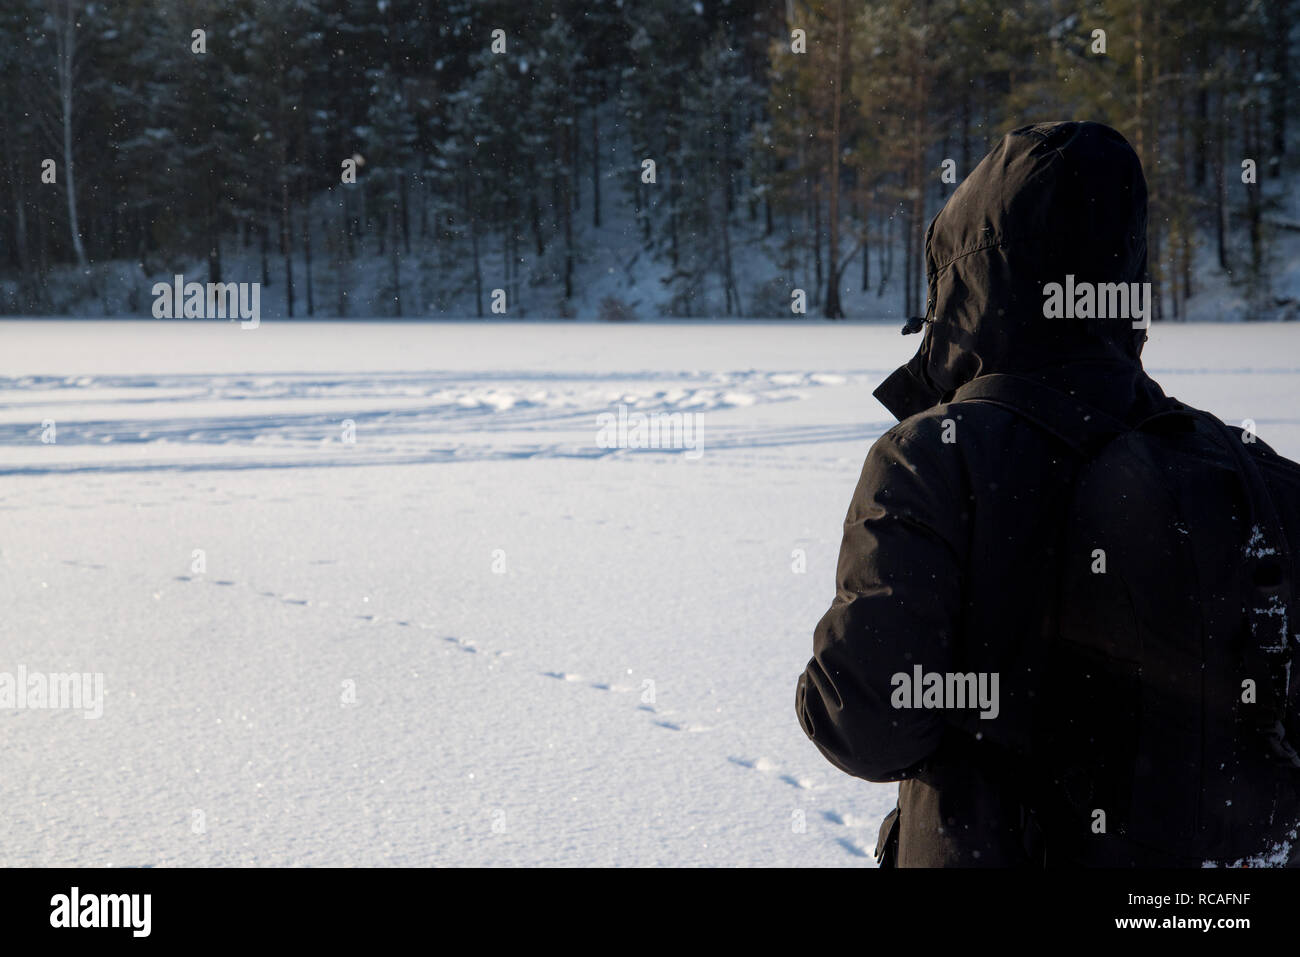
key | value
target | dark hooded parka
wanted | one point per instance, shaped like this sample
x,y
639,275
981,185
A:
x,y
947,554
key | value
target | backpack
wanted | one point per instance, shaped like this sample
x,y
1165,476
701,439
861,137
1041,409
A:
x,y
1168,703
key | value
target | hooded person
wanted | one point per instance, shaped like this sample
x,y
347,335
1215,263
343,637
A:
x,y
948,541
1050,201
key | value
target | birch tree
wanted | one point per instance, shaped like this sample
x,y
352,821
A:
x,y
63,19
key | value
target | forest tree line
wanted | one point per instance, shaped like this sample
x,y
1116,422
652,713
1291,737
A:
x,y
154,132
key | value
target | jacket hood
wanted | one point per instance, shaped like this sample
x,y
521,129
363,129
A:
x,y
1050,201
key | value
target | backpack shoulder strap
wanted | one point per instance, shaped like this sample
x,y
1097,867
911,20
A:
x,y
1076,423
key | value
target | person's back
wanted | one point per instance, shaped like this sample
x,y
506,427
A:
x,y
930,666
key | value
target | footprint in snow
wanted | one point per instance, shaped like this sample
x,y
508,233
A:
x,y
755,764
850,820
852,848
606,686
688,728
769,767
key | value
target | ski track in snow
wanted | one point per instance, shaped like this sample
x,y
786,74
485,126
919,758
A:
x,y
263,421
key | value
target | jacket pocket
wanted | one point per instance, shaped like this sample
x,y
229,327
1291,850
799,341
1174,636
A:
x,y
887,842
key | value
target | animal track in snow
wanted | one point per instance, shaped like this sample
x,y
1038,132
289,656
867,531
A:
x,y
863,848
465,645
852,847
771,767
611,687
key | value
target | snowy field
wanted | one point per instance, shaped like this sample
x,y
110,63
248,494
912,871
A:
x,y
473,636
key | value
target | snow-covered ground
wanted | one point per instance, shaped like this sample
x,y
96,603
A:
x,y
474,635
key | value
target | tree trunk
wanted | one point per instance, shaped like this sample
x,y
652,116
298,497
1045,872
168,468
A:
x,y
403,194
306,253
908,308
965,134
340,278
832,308
1252,143
574,139
1280,30
1202,136
20,250
395,261
916,224
478,263
214,239
866,241
734,307
886,255
66,52
264,235
568,246
536,216
286,247
595,167
1221,198
817,241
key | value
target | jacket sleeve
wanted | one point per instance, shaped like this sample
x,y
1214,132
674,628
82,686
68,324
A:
x,y
897,604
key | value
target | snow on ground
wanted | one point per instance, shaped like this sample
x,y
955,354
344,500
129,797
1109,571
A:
x,y
560,653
